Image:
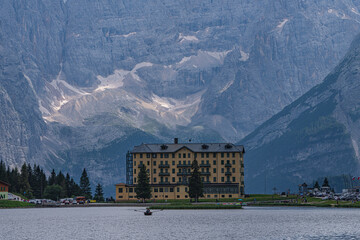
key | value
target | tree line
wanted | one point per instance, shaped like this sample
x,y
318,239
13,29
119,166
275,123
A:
x,y
31,182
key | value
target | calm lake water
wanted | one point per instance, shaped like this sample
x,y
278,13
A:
x,y
127,223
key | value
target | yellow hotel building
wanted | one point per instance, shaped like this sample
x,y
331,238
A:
x,y
169,168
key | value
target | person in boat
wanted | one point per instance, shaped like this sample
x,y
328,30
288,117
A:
x,y
147,211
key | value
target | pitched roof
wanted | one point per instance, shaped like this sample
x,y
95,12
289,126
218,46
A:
x,y
8,184
194,147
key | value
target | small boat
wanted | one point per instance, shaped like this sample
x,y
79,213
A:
x,y
148,213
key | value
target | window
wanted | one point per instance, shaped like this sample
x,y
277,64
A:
x,y
189,162
222,196
171,189
207,162
156,189
173,171
148,163
161,189
179,179
134,163
166,196
233,162
134,155
166,163
222,179
185,189
161,155
154,171
141,155
207,155
177,196
155,196
215,196
120,190
166,189
189,155
154,163
227,154
173,179
166,179
161,163
131,190
230,195
202,179
135,180
208,196
173,155
228,161
214,155
233,179
202,169
233,154
120,196
222,155
134,170
148,155
173,163
202,161
222,162
233,170
178,189
186,196
214,179
154,179
184,155
154,155
202,155
166,155
179,155
214,162
207,169
222,170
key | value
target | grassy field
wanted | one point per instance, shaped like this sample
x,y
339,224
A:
x,y
196,206
14,204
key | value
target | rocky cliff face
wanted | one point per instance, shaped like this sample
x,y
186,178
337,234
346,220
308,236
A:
x,y
80,76
315,136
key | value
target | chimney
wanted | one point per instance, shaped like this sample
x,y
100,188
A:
x,y
176,140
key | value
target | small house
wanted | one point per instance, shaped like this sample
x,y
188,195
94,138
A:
x,y
4,190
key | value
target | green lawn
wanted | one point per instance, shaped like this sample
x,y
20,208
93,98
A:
x,y
196,206
14,204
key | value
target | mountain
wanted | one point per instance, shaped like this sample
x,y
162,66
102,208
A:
x,y
79,78
315,136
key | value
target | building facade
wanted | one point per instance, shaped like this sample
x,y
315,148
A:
x,y
4,190
169,168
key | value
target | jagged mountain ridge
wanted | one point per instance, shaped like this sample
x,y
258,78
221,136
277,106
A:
x,y
204,70
315,136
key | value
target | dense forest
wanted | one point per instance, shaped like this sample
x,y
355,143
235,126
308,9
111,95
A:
x,y
31,182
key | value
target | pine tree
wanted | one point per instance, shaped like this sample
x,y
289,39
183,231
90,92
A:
x,y
143,189
24,185
195,184
60,180
67,185
316,185
99,194
52,178
325,183
3,175
85,185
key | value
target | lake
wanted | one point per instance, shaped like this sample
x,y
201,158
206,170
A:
x,y
130,223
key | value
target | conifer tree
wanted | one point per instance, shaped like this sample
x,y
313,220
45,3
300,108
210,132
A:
x,y
85,185
143,189
3,174
52,178
195,183
325,183
24,185
316,185
99,194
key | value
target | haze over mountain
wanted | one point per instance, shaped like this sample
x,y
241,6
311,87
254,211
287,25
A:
x,y
316,136
81,81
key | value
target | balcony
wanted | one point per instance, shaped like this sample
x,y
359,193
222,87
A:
x,y
164,174
228,173
205,165
184,174
164,166
205,173
164,183
183,165
228,165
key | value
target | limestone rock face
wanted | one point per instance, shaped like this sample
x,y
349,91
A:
x,y
315,136
79,76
